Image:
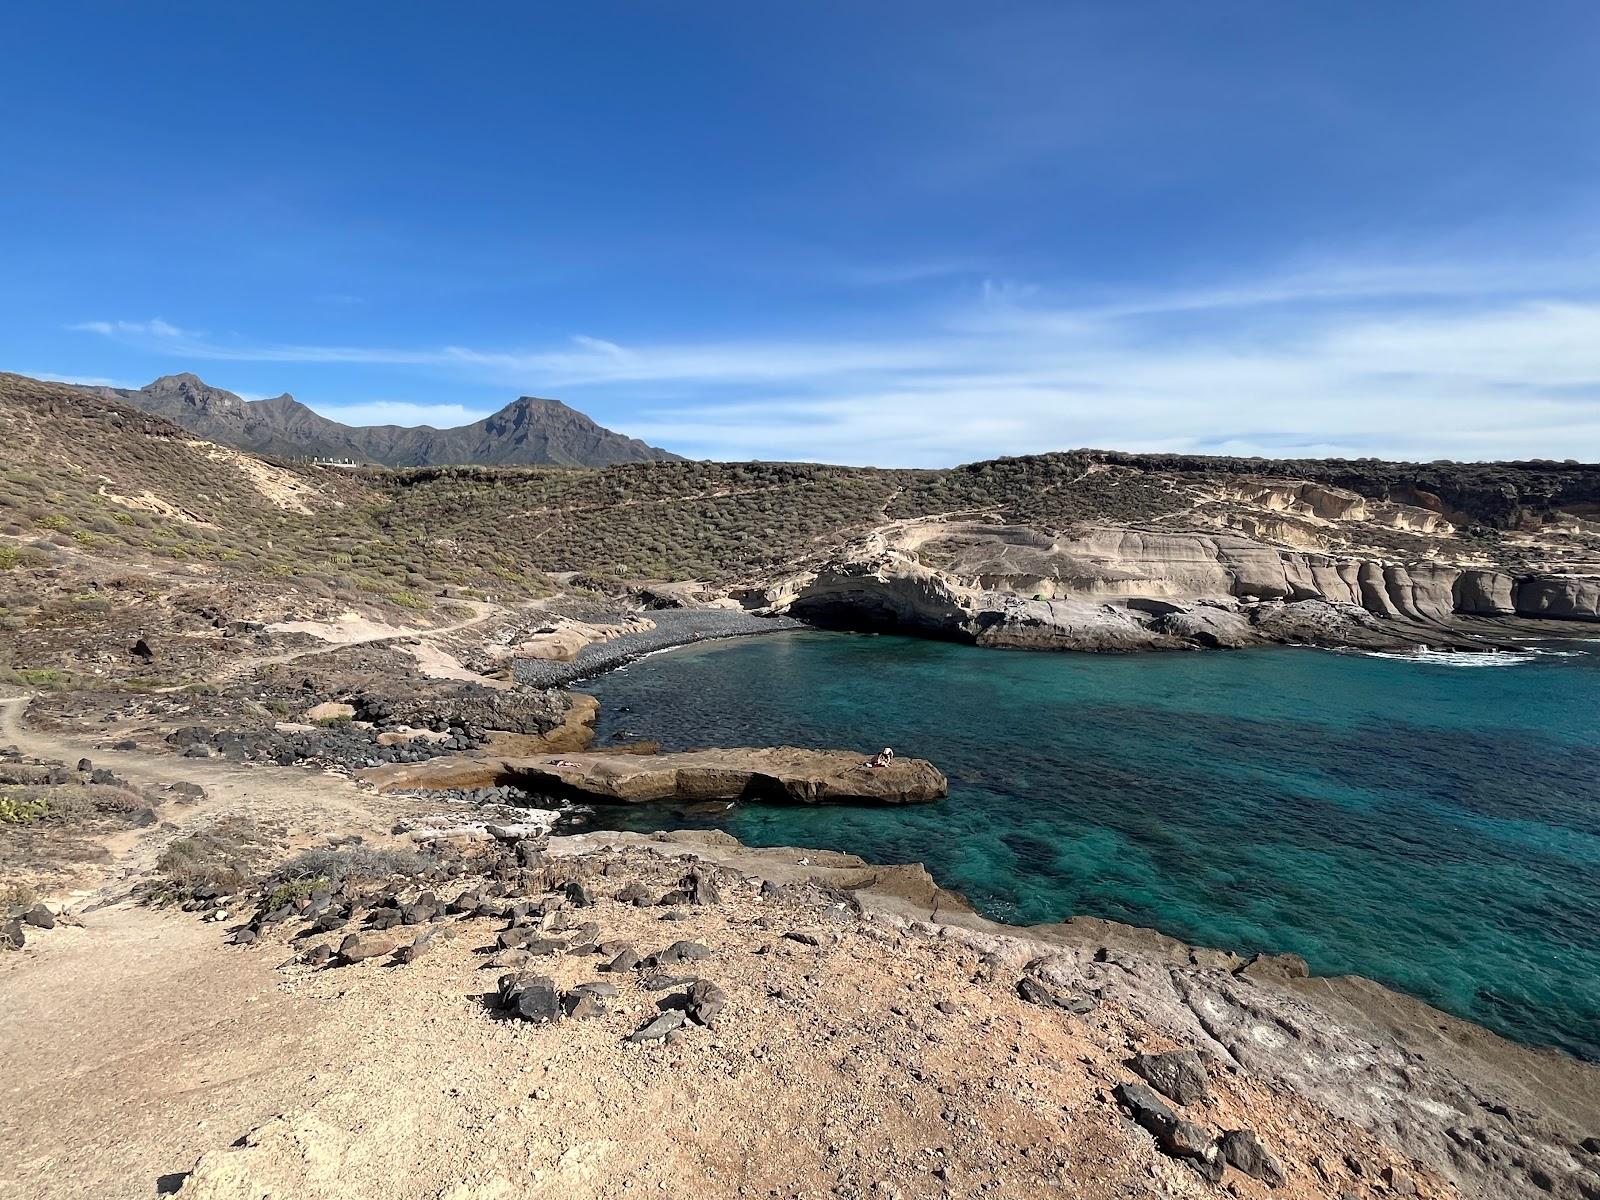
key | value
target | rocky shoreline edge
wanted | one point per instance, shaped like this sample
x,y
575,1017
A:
x,y
1354,1090
1304,625
672,628
1496,1118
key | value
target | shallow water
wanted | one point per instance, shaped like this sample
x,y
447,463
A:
x,y
1411,820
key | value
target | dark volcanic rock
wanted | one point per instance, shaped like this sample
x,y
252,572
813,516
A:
x,y
354,950
701,889
581,1004
1243,1149
705,1002
1145,1107
1185,1139
40,917
626,960
531,997
579,895
414,951
636,894
1176,1137
1034,992
678,952
660,983
1178,1075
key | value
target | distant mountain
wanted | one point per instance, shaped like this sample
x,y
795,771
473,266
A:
x,y
527,432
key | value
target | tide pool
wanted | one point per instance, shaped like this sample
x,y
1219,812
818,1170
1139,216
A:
x,y
1432,825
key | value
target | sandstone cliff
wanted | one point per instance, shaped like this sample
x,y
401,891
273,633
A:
x,y
1130,588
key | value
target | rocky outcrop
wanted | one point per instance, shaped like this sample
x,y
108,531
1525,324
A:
x,y
1130,588
784,773
1494,1118
1566,597
523,711
1300,497
1324,505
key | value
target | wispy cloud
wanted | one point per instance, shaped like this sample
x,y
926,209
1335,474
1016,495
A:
x,y
1415,361
401,412
79,380
156,328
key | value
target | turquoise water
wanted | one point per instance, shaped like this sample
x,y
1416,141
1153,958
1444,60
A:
x,y
1433,826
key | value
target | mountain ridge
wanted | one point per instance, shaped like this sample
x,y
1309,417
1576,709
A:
x,y
530,431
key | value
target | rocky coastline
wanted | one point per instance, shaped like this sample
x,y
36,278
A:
x,y
773,774
1343,1086
1495,1118
1117,589
670,628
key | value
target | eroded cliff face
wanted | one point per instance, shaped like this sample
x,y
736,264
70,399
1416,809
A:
x,y
1132,588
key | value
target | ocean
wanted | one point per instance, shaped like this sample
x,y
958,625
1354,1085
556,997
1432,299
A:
x,y
1429,821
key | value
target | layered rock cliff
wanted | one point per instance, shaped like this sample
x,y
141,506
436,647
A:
x,y
1129,588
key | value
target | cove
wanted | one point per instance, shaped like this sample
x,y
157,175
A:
x,y
1428,824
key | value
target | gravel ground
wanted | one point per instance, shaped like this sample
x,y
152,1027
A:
x,y
674,627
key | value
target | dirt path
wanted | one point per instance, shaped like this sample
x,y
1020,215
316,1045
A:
x,y
159,1042
234,671
284,795
159,1039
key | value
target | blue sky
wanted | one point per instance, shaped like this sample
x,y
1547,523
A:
x,y
899,233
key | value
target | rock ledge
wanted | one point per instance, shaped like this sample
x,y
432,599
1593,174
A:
x,y
780,773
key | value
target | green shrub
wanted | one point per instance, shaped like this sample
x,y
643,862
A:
x,y
16,809
294,889
38,677
409,600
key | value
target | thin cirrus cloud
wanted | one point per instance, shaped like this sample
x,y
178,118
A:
x,y
402,412
1415,362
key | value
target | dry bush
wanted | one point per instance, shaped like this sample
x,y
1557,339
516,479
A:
x,y
224,856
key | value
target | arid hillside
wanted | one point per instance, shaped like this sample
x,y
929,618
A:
x,y
108,509
91,470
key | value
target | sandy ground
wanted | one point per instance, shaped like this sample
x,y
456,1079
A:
x,y
130,1041
879,1063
